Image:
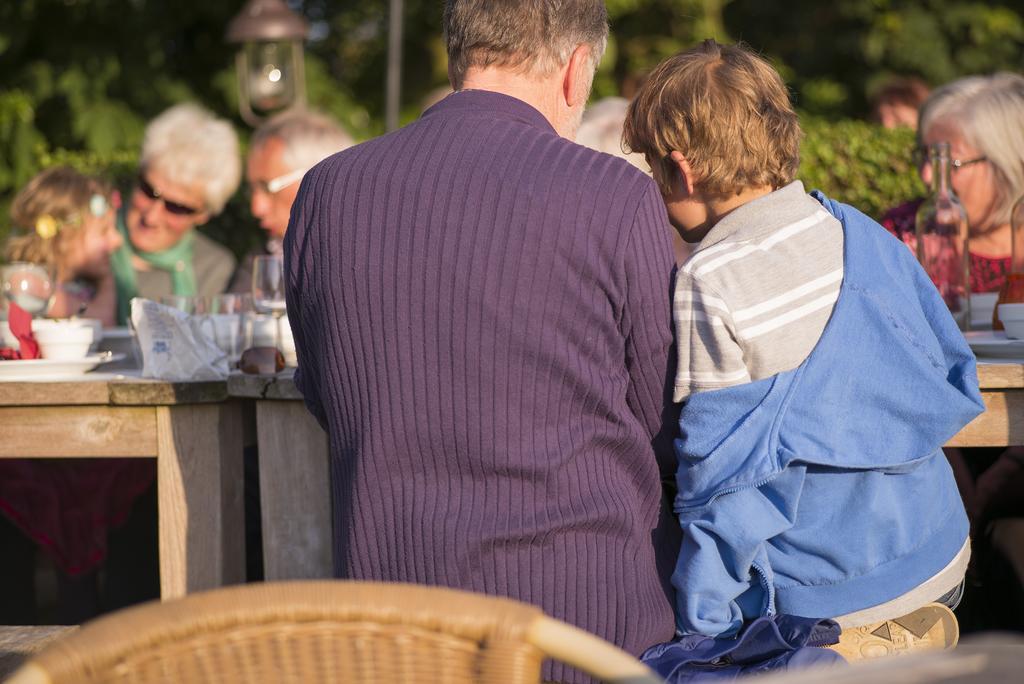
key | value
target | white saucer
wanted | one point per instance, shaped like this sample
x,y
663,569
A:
x,y
48,369
994,344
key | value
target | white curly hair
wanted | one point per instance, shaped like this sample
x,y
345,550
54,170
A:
x,y
189,146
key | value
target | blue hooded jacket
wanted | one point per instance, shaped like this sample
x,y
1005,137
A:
x,y
823,490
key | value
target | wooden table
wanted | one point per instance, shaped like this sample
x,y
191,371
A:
x,y
294,466
293,456
1002,423
192,429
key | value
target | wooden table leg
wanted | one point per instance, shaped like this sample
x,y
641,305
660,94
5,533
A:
x,y
201,507
295,495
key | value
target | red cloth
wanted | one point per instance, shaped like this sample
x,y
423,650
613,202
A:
x,y
67,505
987,274
20,323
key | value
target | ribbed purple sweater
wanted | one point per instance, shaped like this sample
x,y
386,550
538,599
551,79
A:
x,y
481,311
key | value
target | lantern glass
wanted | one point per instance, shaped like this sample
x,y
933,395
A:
x,y
270,74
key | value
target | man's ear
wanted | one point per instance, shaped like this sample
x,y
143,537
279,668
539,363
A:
x,y
577,79
689,180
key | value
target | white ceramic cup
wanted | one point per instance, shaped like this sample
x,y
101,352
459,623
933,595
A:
x,y
64,340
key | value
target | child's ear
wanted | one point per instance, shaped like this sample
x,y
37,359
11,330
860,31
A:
x,y
686,175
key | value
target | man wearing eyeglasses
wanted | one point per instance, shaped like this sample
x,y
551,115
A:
x,y
280,153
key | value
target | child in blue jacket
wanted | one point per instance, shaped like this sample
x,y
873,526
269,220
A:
x,y
821,375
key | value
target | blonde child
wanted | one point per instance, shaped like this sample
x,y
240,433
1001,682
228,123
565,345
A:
x,y
821,375
64,221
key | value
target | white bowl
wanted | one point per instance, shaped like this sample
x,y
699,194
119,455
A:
x,y
1012,317
1011,312
7,338
94,324
64,342
1014,329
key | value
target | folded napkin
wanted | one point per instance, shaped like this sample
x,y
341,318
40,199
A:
x,y
20,323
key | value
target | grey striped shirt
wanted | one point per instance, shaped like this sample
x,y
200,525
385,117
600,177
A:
x,y
754,298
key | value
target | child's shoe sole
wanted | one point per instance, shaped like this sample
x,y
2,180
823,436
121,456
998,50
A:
x,y
931,627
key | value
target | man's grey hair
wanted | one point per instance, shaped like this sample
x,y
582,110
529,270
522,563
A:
x,y
533,36
989,112
308,137
190,146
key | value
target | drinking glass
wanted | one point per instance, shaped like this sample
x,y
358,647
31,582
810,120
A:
x,y
231,303
179,302
267,297
268,290
30,286
228,316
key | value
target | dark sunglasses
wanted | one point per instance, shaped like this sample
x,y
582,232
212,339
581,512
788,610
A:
x,y
172,207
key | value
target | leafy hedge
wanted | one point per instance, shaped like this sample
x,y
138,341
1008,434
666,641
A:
x,y
859,163
852,161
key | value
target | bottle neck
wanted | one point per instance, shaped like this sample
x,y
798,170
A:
x,y
940,174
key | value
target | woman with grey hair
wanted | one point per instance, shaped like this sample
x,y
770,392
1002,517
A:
x,y
188,170
982,119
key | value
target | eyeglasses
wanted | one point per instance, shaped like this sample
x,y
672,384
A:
x,y
920,157
171,207
276,185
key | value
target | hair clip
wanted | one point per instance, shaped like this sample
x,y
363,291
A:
x,y
46,226
98,205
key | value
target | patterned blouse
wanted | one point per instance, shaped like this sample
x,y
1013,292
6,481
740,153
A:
x,y
987,274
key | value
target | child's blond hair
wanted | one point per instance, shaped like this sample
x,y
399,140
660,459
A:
x,y
57,198
726,110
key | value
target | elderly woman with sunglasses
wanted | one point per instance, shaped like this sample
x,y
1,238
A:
x,y
982,118
190,166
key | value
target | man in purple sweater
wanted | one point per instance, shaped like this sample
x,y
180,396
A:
x,y
482,320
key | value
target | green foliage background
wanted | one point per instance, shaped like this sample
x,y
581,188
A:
x,y
79,78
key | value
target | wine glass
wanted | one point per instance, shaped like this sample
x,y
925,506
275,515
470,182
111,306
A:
x,y
267,297
268,290
30,286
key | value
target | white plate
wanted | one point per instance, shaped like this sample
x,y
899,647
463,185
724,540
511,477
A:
x,y
994,344
48,369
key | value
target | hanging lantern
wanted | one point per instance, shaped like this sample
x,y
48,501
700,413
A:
x,y
270,62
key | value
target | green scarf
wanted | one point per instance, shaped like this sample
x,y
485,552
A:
x,y
176,260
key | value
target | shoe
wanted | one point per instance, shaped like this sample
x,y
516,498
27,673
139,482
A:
x,y
929,628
